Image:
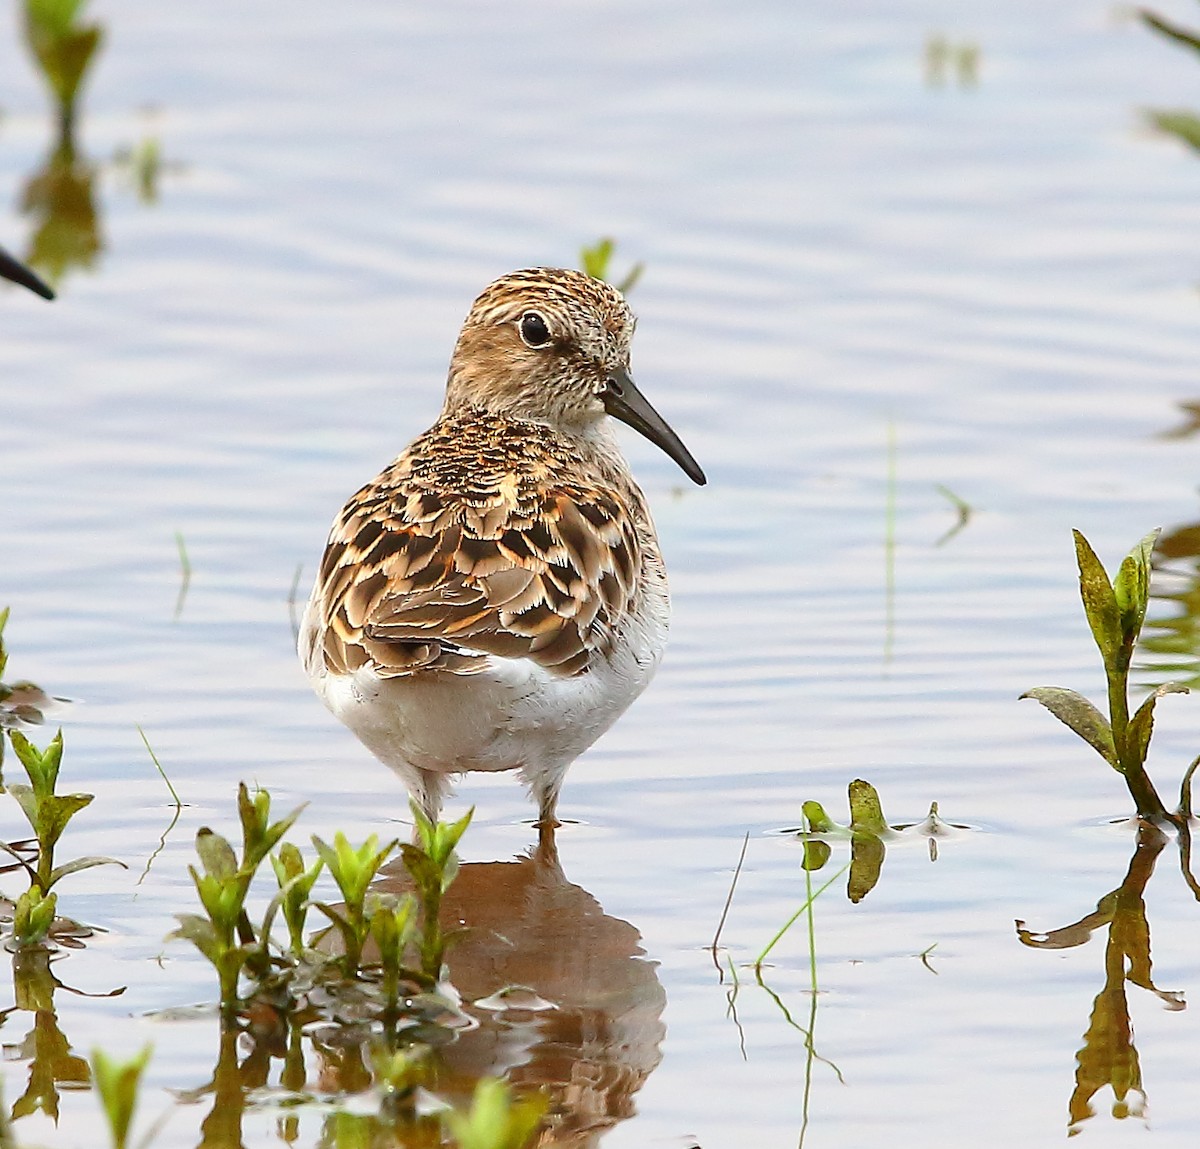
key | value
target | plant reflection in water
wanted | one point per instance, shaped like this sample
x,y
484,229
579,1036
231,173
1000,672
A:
x,y
1108,1056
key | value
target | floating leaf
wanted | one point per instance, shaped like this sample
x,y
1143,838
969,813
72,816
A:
x,y
866,811
1080,715
818,821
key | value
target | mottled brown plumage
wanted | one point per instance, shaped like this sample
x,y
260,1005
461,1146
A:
x,y
470,544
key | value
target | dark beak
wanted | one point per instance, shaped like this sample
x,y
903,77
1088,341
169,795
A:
x,y
19,273
622,400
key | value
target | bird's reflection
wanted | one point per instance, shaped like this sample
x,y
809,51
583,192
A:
x,y
586,1023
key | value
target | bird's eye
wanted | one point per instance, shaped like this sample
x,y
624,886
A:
x,y
533,329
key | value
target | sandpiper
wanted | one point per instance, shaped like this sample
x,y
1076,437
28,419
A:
x,y
496,597
19,273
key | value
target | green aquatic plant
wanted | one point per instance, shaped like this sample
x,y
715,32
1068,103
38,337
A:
x,y
1115,613
393,926
497,1119
48,812
224,936
962,509
409,955
353,869
945,58
595,261
1184,125
432,865
63,47
295,886
117,1083
868,832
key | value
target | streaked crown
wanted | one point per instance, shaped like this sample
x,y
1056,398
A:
x,y
541,344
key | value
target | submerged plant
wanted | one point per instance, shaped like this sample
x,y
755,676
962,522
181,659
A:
x,y
1115,612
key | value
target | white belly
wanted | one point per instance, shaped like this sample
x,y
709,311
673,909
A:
x,y
514,715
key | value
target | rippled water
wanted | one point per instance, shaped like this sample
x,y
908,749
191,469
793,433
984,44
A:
x,y
850,273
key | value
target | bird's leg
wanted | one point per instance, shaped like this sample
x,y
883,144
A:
x,y
547,799
427,788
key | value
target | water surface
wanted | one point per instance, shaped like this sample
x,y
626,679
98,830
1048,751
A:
x,y
998,280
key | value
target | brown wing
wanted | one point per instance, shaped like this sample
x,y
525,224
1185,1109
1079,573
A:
x,y
416,579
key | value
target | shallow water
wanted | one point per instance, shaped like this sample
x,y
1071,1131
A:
x,y
849,272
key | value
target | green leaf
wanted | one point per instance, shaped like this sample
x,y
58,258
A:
x,y
817,820
77,864
199,931
596,259
27,801
216,854
630,281
55,811
1174,32
41,765
496,1120
451,834
117,1083
866,811
1141,726
1099,601
32,917
1081,716
426,874
288,864
259,836
392,922
1183,125
1131,588
295,886
352,869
